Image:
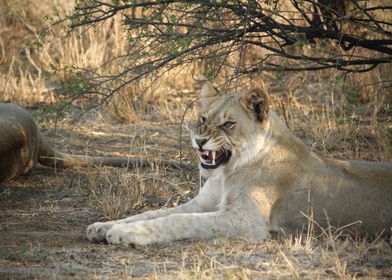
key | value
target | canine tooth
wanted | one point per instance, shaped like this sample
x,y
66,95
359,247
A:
x,y
213,155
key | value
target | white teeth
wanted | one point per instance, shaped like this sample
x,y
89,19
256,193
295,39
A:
x,y
207,153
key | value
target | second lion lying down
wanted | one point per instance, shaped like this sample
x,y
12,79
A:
x,y
261,179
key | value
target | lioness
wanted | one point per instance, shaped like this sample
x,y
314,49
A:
x,y
261,179
22,146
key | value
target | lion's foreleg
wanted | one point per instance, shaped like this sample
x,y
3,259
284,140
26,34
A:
x,y
223,223
97,231
173,227
205,201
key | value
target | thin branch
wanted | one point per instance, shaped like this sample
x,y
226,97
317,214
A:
x,y
170,33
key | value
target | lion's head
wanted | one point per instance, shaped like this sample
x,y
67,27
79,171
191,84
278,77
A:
x,y
231,128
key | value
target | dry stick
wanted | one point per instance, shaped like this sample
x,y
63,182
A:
x,y
285,113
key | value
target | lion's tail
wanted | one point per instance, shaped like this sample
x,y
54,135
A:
x,y
50,157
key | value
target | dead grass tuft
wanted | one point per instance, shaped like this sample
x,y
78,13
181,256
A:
x,y
120,193
116,194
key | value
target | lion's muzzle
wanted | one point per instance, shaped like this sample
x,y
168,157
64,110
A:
x,y
213,159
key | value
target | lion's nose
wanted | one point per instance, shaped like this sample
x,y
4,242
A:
x,y
201,142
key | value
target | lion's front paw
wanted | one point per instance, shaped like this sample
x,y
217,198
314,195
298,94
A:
x,y
135,233
97,231
118,234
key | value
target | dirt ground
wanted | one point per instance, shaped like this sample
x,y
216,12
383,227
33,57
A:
x,y
43,217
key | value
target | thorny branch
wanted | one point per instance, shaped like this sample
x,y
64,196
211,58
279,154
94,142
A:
x,y
289,35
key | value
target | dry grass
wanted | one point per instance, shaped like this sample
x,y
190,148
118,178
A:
x,y
318,109
323,108
120,193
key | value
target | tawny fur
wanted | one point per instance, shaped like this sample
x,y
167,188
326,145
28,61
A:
x,y
271,183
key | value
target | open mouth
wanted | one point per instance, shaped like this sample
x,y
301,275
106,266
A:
x,y
213,159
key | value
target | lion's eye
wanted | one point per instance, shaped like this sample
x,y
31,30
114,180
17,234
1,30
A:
x,y
202,120
228,125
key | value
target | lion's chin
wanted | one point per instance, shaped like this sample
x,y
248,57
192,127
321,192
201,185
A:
x,y
213,159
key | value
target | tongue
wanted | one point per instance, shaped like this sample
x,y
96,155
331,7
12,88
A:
x,y
211,156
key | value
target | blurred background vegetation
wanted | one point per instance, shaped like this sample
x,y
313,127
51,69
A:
x,y
346,114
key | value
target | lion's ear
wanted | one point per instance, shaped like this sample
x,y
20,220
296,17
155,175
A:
x,y
257,103
207,92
